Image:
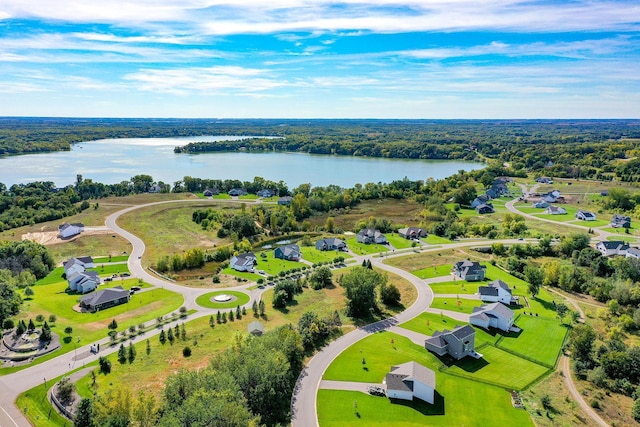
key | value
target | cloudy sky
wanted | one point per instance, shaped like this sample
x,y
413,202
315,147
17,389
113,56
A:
x,y
314,58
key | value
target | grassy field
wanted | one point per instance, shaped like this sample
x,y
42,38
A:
x,y
540,339
310,253
362,249
109,269
240,299
453,304
456,287
99,245
435,271
398,241
428,323
272,265
105,260
452,407
242,274
498,367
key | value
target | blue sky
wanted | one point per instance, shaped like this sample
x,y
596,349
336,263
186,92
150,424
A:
x,y
311,58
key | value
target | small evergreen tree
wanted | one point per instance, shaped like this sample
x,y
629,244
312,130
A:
x,y
113,325
224,317
183,332
148,347
84,414
162,337
31,326
170,336
122,354
131,353
21,328
212,323
261,306
105,365
254,307
231,316
219,317
238,313
244,311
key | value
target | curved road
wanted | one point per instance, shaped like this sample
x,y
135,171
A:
x,y
304,397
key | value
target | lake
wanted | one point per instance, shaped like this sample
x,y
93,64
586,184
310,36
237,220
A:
x,y
115,160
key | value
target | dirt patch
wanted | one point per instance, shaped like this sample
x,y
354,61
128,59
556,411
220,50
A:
x,y
51,237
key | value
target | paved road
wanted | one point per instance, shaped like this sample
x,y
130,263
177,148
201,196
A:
x,y
415,337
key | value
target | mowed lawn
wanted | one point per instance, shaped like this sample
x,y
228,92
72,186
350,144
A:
x,y
453,304
456,287
398,241
362,249
498,367
541,339
272,265
459,402
310,253
428,323
380,351
435,271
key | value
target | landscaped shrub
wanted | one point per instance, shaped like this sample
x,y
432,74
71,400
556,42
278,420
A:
x,y
186,352
105,365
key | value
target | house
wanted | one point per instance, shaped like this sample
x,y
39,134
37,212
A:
x,y
480,200
256,328
544,180
492,193
266,193
411,380
84,281
289,253
412,233
555,193
555,210
458,343
468,270
585,216
621,221
485,209
67,230
541,205
155,188
210,192
633,253
548,198
612,248
237,192
369,235
105,298
78,264
497,291
243,262
331,244
496,315
284,201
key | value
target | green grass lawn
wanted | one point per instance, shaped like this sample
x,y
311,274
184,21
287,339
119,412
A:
x,y
453,304
428,323
477,405
540,339
248,197
104,260
272,265
380,353
498,367
223,196
432,239
593,224
310,253
243,274
54,276
398,241
624,238
205,300
435,271
110,269
456,287
362,249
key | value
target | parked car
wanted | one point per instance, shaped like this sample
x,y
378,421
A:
x,y
135,288
125,275
108,279
376,391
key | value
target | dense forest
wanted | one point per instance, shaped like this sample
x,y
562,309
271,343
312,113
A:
x,y
561,148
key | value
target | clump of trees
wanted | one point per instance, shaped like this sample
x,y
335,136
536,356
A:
x,y
360,286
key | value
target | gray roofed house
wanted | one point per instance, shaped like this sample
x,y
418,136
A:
x,y
285,200
209,192
585,216
485,208
289,252
369,235
266,192
105,298
468,270
411,380
496,315
331,244
633,253
458,343
497,291
83,281
256,328
67,230
541,205
480,200
412,232
611,248
555,210
237,192
621,221
243,262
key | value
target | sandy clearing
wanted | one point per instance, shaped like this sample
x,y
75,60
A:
x,y
51,237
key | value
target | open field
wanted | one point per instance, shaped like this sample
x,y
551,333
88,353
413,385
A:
x,y
272,265
310,253
105,260
432,239
456,287
498,367
206,300
540,339
435,271
99,245
398,241
427,260
242,274
362,249
453,304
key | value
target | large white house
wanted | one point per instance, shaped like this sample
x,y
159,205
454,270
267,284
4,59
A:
x,y
555,210
79,264
633,253
495,315
67,230
243,262
612,248
369,235
497,291
585,216
83,282
411,380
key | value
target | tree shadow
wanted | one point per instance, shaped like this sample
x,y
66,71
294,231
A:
x,y
546,304
471,365
437,408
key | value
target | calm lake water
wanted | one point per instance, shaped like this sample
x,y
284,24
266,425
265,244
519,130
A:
x,y
115,160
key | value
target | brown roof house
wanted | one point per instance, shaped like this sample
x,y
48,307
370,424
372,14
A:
x,y
411,380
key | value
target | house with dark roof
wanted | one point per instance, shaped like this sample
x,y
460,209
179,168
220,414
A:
x,y
369,235
104,299
78,264
411,380
67,230
256,328
480,200
585,216
544,180
210,192
331,244
468,270
266,192
496,315
83,282
541,205
243,262
412,232
237,192
284,201
458,343
633,253
555,210
289,253
486,208
612,248
621,221
497,291
548,198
